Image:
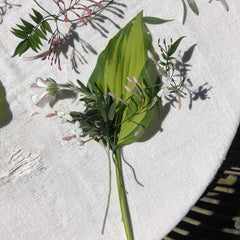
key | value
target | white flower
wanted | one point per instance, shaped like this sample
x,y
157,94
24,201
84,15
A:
x,y
64,116
165,90
43,91
77,131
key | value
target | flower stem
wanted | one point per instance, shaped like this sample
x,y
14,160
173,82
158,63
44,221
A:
x,y
126,218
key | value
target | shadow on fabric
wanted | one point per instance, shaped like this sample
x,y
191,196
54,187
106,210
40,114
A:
x,y
5,112
76,48
216,215
3,8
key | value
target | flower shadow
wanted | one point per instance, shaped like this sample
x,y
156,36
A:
x,y
76,48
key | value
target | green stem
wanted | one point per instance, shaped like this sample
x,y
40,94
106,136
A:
x,y
126,218
43,8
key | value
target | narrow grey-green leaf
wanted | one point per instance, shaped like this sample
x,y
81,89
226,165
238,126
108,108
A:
x,y
184,11
111,112
174,46
154,20
192,4
225,5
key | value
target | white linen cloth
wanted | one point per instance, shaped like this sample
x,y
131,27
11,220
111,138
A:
x,y
51,189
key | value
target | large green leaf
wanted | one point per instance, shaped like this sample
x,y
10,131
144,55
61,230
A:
x,y
126,56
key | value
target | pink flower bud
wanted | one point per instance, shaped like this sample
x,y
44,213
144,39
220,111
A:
x,y
150,55
138,131
128,89
99,4
82,20
50,115
130,80
67,138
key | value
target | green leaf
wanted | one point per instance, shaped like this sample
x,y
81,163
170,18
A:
x,y
40,34
19,33
225,5
21,48
126,56
24,29
37,40
111,112
174,46
46,26
28,25
34,19
154,20
192,4
38,15
33,43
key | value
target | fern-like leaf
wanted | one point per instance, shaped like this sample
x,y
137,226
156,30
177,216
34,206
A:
x,y
31,33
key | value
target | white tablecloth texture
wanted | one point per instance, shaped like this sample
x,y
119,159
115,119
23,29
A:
x,y
51,189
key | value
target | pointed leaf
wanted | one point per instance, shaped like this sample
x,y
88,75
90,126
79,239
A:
x,y
174,46
111,112
154,20
24,29
126,56
40,34
33,43
27,24
34,19
192,4
46,26
19,33
21,48
38,15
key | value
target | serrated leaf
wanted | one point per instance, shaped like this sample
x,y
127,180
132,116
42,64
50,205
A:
x,y
21,48
126,56
174,46
38,15
192,4
19,33
154,20
46,26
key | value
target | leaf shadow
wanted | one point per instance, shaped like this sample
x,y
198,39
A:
x,y
4,6
75,47
65,94
5,112
101,23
